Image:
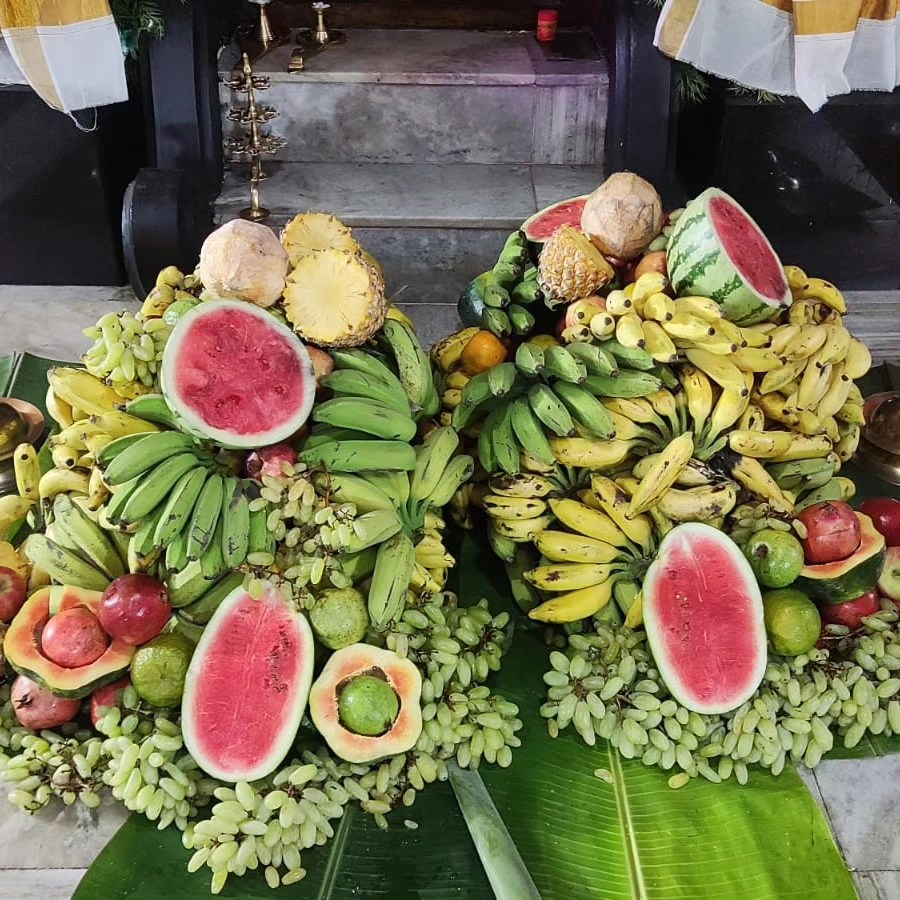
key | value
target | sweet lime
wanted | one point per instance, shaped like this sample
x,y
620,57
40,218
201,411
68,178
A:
x,y
792,621
776,557
158,669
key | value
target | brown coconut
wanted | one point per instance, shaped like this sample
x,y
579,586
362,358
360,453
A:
x,y
622,216
244,261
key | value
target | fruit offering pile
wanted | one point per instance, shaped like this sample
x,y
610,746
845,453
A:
x,y
660,441
229,608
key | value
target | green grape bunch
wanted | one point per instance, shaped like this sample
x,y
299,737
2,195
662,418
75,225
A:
x,y
126,349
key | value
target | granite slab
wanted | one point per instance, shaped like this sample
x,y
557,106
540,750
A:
x,y
39,884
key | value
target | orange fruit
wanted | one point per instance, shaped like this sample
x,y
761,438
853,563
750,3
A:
x,y
483,352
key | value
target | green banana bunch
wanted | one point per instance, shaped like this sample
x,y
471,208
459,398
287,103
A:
x,y
390,580
413,367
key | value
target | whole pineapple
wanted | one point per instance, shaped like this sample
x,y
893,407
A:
x,y
571,267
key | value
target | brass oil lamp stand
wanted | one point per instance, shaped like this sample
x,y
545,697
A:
x,y
256,142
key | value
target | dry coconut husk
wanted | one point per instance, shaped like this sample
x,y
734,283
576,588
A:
x,y
244,261
622,216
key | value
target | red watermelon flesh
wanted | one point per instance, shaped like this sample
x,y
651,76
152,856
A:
x,y
542,225
247,686
235,375
747,249
704,618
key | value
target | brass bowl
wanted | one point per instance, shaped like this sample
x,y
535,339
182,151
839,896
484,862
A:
x,y
879,446
20,423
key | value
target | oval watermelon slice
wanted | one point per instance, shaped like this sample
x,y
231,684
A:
x,y
703,613
235,375
718,251
247,686
540,227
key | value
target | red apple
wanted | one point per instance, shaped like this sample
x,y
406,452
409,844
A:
x,y
885,515
12,593
106,696
134,608
73,638
268,460
851,612
889,580
833,532
36,708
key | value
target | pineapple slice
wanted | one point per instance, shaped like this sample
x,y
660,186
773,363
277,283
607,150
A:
x,y
316,231
335,299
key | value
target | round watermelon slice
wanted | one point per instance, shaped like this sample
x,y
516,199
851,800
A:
x,y
235,375
540,227
703,613
718,251
247,686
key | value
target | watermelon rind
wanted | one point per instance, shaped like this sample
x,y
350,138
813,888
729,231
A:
x,y
540,227
699,265
677,680
847,579
255,672
191,421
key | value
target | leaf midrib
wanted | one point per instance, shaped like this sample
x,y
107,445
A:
x,y
338,843
632,854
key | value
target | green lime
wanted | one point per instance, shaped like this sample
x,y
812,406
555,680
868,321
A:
x,y
174,311
159,667
776,557
792,621
340,617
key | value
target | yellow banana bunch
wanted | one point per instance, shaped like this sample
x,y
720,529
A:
x,y
446,354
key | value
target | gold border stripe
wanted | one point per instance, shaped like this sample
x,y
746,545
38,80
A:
x,y
31,13
813,17
678,20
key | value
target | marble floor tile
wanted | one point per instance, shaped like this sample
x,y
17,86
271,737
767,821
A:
x,y
860,799
39,884
56,837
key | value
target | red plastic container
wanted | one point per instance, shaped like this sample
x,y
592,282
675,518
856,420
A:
x,y
547,20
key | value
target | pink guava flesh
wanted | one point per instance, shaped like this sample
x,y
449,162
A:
x,y
543,226
238,374
747,249
249,684
704,621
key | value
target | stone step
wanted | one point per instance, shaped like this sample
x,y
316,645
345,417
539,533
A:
x,y
433,227
434,96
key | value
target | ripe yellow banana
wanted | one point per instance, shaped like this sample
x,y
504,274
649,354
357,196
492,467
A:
x,y
813,386
118,424
728,409
522,484
858,360
699,504
451,398
752,475
521,531
782,336
694,474
575,605
98,491
702,307
721,370
635,617
825,292
603,326
618,303
615,503
157,302
758,336
629,330
647,285
457,380
561,546
796,278
590,453
851,412
58,481
757,359
658,307
752,419
568,576
59,410
79,388
500,506
836,346
446,354
12,508
27,471
662,474
685,326
802,312
848,488
780,378
809,340
837,393
589,522
657,343
699,392
775,406
760,444
846,446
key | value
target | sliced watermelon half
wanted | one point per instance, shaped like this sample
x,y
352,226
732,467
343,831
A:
x,y
703,613
718,251
247,686
234,374
540,227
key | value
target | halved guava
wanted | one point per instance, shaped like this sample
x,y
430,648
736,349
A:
x,y
703,613
235,375
22,644
247,686
357,668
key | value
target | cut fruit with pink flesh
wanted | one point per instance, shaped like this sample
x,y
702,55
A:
x,y
247,686
704,618
234,374
544,224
